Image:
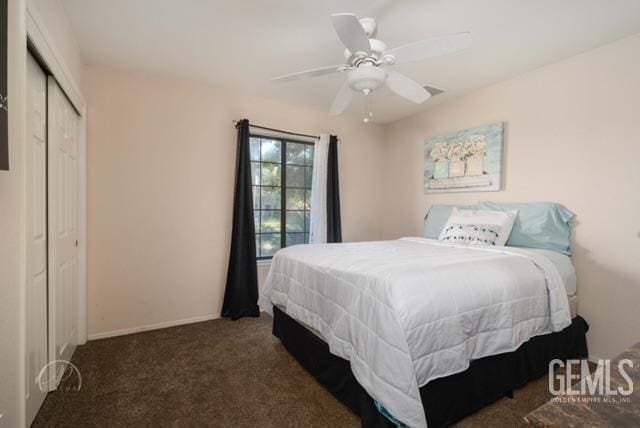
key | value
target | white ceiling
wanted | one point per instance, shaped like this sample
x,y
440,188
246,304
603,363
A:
x,y
241,44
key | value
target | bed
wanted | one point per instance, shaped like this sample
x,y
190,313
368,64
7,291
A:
x,y
359,317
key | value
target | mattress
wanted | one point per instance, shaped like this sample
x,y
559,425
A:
x,y
408,311
560,261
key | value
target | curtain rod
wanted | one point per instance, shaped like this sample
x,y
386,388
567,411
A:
x,y
235,122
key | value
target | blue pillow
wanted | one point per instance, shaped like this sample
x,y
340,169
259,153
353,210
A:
x,y
437,217
544,225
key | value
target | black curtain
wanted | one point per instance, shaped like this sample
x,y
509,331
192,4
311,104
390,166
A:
x,y
4,109
334,225
241,292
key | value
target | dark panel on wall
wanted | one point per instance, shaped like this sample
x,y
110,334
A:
x,y
4,132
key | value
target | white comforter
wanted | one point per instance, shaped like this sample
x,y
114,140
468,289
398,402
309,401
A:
x,y
408,311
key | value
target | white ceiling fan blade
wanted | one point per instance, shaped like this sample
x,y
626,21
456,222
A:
x,y
406,88
350,32
342,100
308,73
430,48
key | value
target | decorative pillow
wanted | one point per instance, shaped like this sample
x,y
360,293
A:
x,y
437,217
473,234
478,227
544,225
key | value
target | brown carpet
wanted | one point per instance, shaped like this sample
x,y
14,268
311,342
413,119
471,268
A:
x,y
217,373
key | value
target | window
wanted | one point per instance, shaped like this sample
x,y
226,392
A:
x,y
281,172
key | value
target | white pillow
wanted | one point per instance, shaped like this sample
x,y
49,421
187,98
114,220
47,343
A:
x,y
478,227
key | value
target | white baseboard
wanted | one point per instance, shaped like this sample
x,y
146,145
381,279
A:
x,y
113,333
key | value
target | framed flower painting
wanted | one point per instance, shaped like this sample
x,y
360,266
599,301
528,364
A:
x,y
465,161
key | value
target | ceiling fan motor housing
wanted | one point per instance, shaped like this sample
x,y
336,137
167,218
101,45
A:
x,y
378,48
366,78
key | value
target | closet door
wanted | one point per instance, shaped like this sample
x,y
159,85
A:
x,y
36,240
63,227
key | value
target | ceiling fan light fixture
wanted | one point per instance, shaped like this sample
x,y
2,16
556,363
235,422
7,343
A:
x,y
366,78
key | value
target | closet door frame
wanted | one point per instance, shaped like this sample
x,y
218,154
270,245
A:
x,y
40,43
37,40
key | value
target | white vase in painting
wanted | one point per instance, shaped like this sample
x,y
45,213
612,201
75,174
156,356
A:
x,y
441,169
475,165
456,168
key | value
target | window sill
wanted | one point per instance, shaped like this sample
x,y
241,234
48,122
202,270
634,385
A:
x,y
266,262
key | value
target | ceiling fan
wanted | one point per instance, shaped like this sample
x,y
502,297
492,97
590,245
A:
x,y
365,57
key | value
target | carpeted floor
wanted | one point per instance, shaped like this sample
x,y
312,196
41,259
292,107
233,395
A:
x,y
217,373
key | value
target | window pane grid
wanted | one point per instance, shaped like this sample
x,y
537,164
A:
x,y
290,187
273,163
281,208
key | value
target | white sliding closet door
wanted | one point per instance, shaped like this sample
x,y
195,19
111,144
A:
x,y
36,238
63,227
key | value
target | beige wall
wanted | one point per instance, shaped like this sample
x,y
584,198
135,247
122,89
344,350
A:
x,y
573,138
161,160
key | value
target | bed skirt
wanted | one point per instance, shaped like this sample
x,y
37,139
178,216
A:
x,y
445,400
